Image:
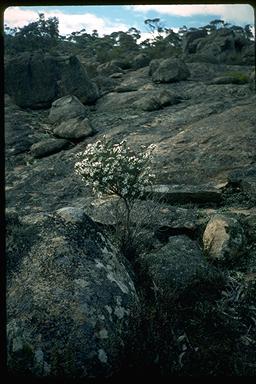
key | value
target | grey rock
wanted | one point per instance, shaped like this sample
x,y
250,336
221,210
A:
x,y
73,309
71,214
76,128
121,63
48,147
153,65
176,267
223,238
148,103
185,194
105,84
170,70
126,88
108,68
221,46
156,99
65,108
189,39
35,80
116,75
230,80
140,61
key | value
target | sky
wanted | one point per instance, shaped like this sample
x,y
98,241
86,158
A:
x,y
109,18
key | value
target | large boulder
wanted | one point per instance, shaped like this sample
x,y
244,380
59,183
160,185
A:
x,y
65,108
141,60
74,129
153,65
176,267
72,305
105,84
35,80
68,116
169,71
190,37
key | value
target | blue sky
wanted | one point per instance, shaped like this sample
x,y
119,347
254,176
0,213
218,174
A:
x,y
107,19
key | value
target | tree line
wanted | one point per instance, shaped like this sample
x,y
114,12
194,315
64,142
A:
x,y
44,34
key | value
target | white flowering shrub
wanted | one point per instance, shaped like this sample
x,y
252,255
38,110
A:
x,y
115,169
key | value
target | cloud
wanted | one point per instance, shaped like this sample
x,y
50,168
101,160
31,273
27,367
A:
x,y
17,17
236,13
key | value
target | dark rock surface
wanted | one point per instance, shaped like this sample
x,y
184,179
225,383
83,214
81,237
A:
x,y
65,108
224,239
75,306
221,46
76,128
71,307
169,71
176,267
35,80
48,147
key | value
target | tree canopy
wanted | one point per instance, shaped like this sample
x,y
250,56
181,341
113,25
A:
x,y
44,34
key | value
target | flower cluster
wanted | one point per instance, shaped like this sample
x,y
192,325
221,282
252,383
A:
x,y
115,168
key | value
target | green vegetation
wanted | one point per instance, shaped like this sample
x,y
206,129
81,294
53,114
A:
x,y
44,34
116,170
41,34
238,77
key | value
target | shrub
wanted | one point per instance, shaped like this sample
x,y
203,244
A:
x,y
239,77
115,169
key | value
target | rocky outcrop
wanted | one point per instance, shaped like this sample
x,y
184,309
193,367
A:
x,y
220,46
190,40
73,308
35,80
70,294
169,70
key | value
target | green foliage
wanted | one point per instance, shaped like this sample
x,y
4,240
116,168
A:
x,y
116,170
41,34
239,76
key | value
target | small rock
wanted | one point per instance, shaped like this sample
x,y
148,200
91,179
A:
x,y
48,147
71,214
76,128
223,238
